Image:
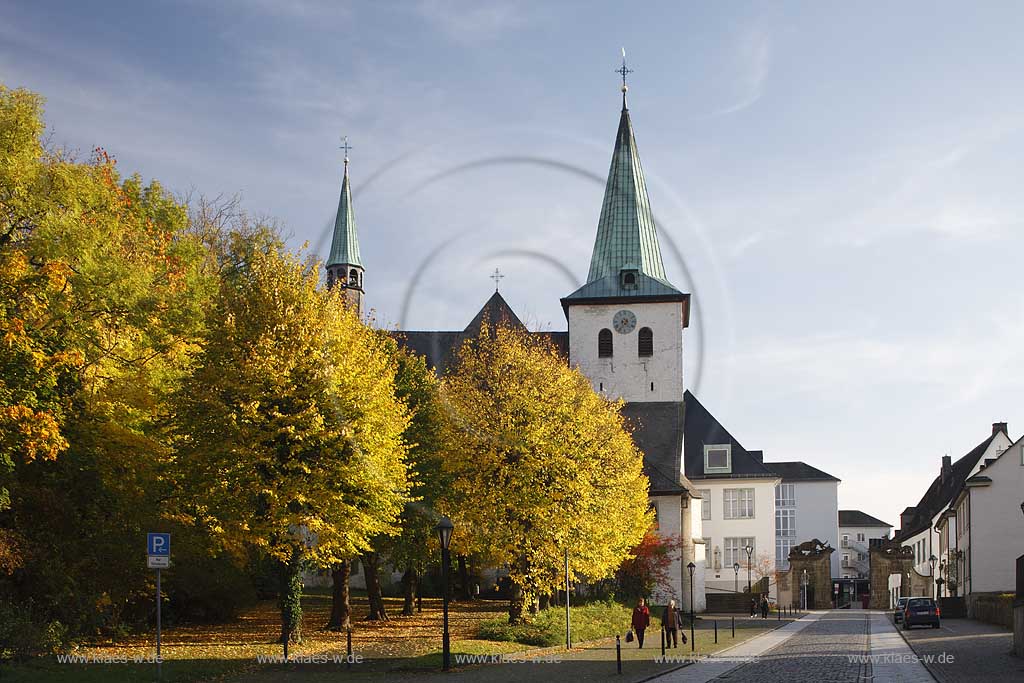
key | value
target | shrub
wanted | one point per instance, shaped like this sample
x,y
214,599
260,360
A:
x,y
24,634
547,627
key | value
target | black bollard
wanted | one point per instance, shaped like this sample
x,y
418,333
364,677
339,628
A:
x,y
348,650
779,611
618,654
734,627
663,642
716,630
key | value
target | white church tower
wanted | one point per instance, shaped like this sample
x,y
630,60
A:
x,y
626,336
626,323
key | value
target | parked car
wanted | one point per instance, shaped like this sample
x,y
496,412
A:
x,y
920,612
897,615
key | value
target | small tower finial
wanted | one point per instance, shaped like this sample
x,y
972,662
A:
x,y
497,277
345,146
624,71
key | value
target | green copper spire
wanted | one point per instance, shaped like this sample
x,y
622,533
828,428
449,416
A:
x,y
345,243
626,236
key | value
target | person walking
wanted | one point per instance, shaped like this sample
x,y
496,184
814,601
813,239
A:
x,y
670,621
753,606
641,620
764,606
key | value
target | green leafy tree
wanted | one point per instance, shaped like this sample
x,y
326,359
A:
x,y
538,464
289,434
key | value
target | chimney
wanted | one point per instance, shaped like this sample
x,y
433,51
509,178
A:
x,y
1000,427
947,468
906,517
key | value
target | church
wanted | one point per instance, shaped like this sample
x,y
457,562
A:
x,y
625,334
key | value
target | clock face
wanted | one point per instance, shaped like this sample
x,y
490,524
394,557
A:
x,y
624,321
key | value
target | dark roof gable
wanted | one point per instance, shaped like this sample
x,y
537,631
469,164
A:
x,y
702,428
658,432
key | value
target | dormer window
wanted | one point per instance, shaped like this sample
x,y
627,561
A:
x,y
627,278
718,459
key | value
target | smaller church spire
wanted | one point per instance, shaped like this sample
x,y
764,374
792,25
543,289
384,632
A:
x,y
344,266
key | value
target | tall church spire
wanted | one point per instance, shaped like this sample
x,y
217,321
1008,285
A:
x,y
626,236
344,266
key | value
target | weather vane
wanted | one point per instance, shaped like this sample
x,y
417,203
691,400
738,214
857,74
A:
x,y
624,71
345,146
497,277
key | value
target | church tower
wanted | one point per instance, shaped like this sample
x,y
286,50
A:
x,y
626,323
344,267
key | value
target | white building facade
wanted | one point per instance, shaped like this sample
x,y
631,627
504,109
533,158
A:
x,y
806,507
856,531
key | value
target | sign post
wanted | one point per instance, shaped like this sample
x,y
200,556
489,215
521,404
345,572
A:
x,y
158,556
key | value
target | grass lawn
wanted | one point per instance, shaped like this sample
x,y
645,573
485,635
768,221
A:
x,y
402,648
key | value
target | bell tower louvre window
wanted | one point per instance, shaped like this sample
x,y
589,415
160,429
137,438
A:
x,y
645,342
604,343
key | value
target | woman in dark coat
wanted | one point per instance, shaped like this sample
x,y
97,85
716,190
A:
x,y
641,620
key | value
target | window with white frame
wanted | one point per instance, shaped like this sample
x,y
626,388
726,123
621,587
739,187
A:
x,y
782,548
738,503
717,458
785,495
735,550
705,504
785,522
860,536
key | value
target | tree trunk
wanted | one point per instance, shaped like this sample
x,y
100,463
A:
x,y
291,599
341,609
465,591
410,584
545,601
371,566
517,605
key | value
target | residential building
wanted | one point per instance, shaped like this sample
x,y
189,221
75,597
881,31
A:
x,y
806,507
737,500
920,525
989,529
856,531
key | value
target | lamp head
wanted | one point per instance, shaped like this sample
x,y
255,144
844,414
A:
x,y
444,530
691,567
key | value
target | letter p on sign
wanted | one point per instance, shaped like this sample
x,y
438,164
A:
x,y
158,544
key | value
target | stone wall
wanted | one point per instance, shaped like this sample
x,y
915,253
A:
x,y
818,566
890,559
992,608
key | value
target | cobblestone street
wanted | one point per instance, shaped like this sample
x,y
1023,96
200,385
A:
x,y
839,645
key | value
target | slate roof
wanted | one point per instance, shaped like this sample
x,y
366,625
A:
x,y
345,241
626,234
798,471
440,348
658,432
700,428
858,518
940,493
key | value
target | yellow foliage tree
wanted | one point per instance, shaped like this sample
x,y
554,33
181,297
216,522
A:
x,y
290,437
540,464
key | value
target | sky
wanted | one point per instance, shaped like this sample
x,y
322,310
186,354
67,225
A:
x,y
838,184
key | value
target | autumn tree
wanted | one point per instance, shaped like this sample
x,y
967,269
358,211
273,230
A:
x,y
648,566
289,434
101,293
539,464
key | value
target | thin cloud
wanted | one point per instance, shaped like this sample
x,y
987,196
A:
x,y
753,64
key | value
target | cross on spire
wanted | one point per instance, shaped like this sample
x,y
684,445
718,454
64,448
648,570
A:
x,y
497,277
345,146
624,71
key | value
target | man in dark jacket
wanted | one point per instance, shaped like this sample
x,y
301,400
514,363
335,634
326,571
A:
x,y
670,621
764,606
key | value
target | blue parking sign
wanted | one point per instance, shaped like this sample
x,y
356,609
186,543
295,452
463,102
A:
x,y
158,544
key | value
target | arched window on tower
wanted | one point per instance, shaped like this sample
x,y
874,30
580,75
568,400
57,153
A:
x,y
353,278
604,343
645,342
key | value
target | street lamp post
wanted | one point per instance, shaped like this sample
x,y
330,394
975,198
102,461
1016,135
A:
x,y
736,577
750,551
803,591
931,563
444,530
691,566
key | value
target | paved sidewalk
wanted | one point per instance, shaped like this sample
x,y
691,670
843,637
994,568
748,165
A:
x,y
721,663
892,660
967,650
